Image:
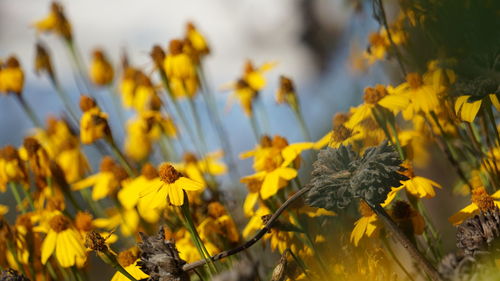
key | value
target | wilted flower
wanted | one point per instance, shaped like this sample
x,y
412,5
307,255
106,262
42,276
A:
x,y
340,175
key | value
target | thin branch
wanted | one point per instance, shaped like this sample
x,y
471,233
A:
x,y
255,238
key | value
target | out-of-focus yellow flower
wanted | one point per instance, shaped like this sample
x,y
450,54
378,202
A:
x,y
181,71
219,222
481,202
379,43
128,86
467,109
368,225
105,182
196,168
286,93
93,123
188,251
374,97
255,76
43,62
196,40
423,96
144,130
143,96
11,167
272,165
37,157
64,241
55,22
128,260
172,187
418,186
127,220
72,160
101,70
11,77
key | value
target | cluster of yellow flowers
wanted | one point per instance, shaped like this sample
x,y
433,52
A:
x,y
65,208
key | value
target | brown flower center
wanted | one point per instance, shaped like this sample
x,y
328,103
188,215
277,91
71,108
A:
x,y
175,47
107,164
87,103
127,258
98,54
158,55
9,153
482,199
190,158
24,220
149,171
339,119
374,94
12,62
95,241
59,223
266,141
120,173
248,68
31,145
414,80
341,133
365,210
168,173
286,84
83,221
280,142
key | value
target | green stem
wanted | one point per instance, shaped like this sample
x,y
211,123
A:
x,y
29,111
255,127
302,124
121,158
19,202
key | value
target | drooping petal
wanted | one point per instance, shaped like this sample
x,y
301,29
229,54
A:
x,y
287,173
48,245
175,194
464,214
270,185
63,250
249,203
188,184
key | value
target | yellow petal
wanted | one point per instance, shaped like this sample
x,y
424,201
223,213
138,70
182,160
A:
x,y
270,185
469,110
48,246
287,173
494,101
359,230
175,194
463,214
63,250
188,184
250,202
324,141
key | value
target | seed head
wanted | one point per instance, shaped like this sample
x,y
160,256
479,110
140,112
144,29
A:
x,y
59,223
482,199
168,173
95,241
87,103
414,80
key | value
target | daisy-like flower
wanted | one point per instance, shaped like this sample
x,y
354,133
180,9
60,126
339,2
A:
x,y
93,123
481,202
418,186
171,188
368,225
64,241
423,95
101,70
181,71
128,260
272,165
56,22
196,40
105,182
11,167
11,77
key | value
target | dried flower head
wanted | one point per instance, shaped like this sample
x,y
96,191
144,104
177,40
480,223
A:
x,y
340,175
12,275
95,241
480,233
160,259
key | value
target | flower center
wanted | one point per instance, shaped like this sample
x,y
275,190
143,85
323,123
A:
x,y
414,80
87,103
339,119
59,223
149,171
168,173
374,94
286,84
31,145
175,47
482,199
341,133
280,142
83,221
266,141
127,258
107,164
9,153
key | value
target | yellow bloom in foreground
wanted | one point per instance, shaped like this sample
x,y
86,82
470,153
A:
x,y
128,260
172,187
63,240
101,70
419,186
367,225
467,110
481,201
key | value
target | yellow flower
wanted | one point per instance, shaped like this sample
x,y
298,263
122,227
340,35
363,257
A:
x,y
128,86
419,186
101,70
93,123
467,110
127,220
195,168
254,77
63,240
374,97
11,77
196,40
144,96
128,260
172,187
367,225
11,167
272,165
219,222
105,182
423,96
55,22
180,71
286,93
73,162
188,251
481,201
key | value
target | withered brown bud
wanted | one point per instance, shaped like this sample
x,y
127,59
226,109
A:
x,y
87,103
95,241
